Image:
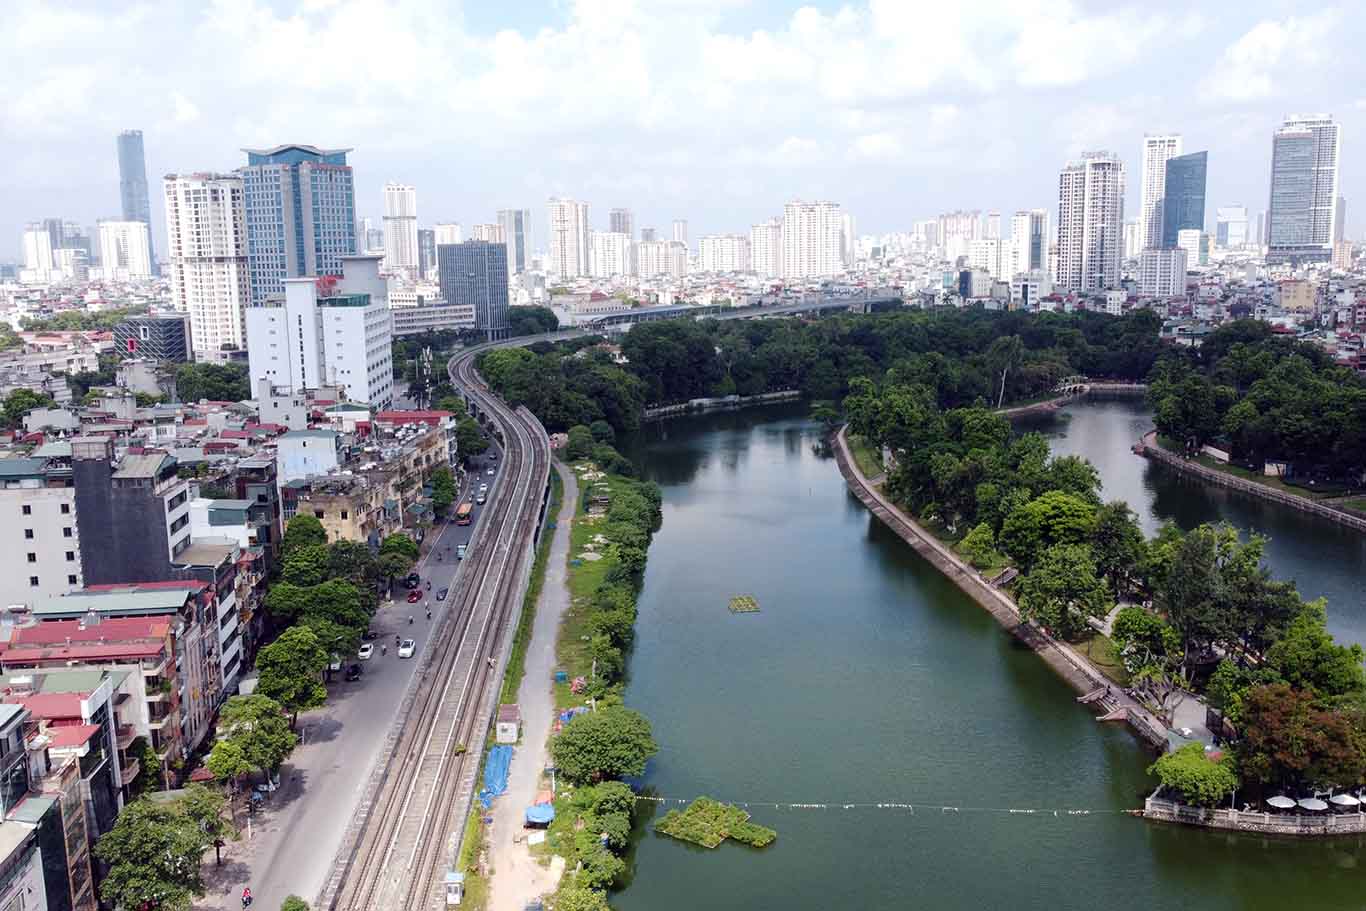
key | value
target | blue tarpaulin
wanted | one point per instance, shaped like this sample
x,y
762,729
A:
x,y
541,814
495,774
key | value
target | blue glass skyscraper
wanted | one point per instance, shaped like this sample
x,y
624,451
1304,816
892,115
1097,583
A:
x,y
1183,200
300,206
133,186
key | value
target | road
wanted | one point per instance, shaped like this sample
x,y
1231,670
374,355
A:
x,y
295,837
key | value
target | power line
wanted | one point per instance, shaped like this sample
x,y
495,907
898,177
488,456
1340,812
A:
x,y
910,808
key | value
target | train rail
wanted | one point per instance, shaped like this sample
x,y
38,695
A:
x,y
411,825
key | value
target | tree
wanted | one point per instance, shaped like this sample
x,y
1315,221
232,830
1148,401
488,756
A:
x,y
443,489
392,565
1005,354
826,414
1051,518
575,897
1289,741
305,565
302,530
1151,651
612,742
214,382
1062,591
580,445
20,402
469,439
290,671
337,638
602,432
228,762
293,903
452,403
353,562
1307,658
153,853
979,546
1117,544
204,807
287,601
399,543
1200,780
257,728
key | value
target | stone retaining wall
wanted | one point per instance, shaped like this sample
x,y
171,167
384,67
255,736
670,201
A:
x,y
1148,447
724,402
1072,667
1319,824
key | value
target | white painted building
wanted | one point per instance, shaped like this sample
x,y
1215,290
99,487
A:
x,y
206,230
611,254
400,228
38,511
812,239
125,250
724,253
1162,273
1133,240
339,335
986,255
570,243
766,248
1029,240
681,231
1196,244
1157,148
1026,289
448,233
1090,223
491,232
38,254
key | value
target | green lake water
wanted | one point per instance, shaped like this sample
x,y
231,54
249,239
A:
x,y
867,678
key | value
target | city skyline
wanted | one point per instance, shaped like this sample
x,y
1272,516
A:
x,y
816,120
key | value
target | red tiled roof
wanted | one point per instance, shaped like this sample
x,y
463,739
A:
x,y
71,735
231,434
115,629
191,584
109,651
49,705
408,417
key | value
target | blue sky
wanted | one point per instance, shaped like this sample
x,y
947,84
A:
x,y
712,110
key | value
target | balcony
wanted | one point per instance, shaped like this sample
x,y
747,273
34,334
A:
x,y
128,770
126,735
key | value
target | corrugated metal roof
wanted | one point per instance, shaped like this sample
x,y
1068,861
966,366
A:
x,y
150,601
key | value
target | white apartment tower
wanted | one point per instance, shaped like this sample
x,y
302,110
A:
x,y
493,233
448,233
611,254
724,253
766,248
334,331
1029,239
206,230
813,234
1156,150
125,250
400,229
571,251
681,231
1090,223
848,241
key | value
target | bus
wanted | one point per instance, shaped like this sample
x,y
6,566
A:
x,y
464,515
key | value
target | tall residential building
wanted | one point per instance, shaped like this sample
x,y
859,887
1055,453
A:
x,y
1304,189
681,231
492,232
518,235
1029,241
622,221
1339,221
647,234
475,274
125,249
38,250
400,229
849,240
812,239
986,255
766,248
1230,227
957,230
327,331
992,228
1196,244
300,205
1156,150
448,233
1260,239
570,248
724,253
1183,196
1162,272
426,251
1090,223
611,254
206,227
137,204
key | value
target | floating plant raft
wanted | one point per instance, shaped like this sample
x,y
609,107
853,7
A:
x,y
744,604
708,822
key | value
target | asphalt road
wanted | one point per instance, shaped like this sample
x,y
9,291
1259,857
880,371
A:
x,y
296,835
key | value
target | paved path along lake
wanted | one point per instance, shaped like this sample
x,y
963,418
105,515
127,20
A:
x,y
868,678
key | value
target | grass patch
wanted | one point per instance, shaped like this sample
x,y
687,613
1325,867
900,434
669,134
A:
x,y
1357,505
1247,474
516,667
1101,651
708,822
866,457
476,886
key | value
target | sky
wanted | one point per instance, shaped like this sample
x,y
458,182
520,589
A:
x,y
716,111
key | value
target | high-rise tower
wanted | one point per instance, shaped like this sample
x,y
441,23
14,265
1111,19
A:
x,y
1302,212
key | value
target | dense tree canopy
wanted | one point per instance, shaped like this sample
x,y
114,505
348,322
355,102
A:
x,y
613,742
215,382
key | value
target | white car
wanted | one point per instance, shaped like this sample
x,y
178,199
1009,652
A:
x,y
406,648
489,472
366,650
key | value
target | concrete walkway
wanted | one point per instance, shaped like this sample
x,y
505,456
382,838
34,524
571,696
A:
x,y
517,877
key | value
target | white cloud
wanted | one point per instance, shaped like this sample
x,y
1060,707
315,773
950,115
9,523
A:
x,y
1262,62
183,109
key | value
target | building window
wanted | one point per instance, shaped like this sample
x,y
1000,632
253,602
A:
x,y
66,509
33,581
344,514
70,580
317,513
28,510
66,532
28,534
70,556
33,558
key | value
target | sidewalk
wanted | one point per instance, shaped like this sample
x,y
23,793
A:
x,y
517,877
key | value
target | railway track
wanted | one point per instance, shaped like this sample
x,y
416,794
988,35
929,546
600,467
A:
x,y
409,833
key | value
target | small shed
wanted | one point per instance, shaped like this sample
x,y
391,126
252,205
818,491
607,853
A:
x,y
509,727
455,887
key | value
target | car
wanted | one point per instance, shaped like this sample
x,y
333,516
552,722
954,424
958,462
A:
x,y
366,650
335,664
489,472
369,636
414,597
479,499
353,673
406,648
441,595
461,550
